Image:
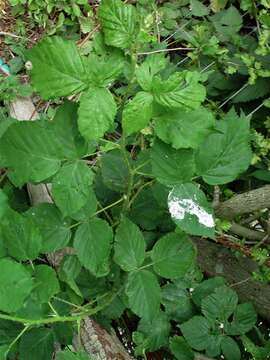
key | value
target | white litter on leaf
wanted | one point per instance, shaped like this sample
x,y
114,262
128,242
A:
x,y
179,207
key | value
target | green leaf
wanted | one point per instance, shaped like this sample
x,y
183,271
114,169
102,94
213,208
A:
x,y
226,153
92,243
257,352
46,283
13,297
253,92
177,302
151,66
173,255
54,229
262,175
3,351
129,246
220,305
68,355
244,319
69,270
190,210
37,342
71,187
180,349
156,331
114,171
179,91
230,349
196,332
21,237
89,209
206,288
184,129
119,23
143,293
137,113
172,167
57,68
3,203
198,9
227,23
96,113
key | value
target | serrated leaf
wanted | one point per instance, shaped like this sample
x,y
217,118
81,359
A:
x,y
225,153
244,319
92,243
172,167
230,349
220,305
129,246
143,293
190,210
69,270
227,23
198,9
96,113
151,66
57,68
184,129
46,283
156,331
13,297
71,187
21,237
180,348
173,255
137,113
206,288
88,209
119,23
179,91
37,342
253,92
54,229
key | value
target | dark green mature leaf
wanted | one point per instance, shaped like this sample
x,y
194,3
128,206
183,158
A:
x,y
156,331
220,305
71,187
129,246
180,91
262,175
58,69
37,342
13,297
46,283
230,349
151,66
198,8
227,23
244,319
225,154
92,243
96,113
88,209
137,113
3,351
253,92
21,237
119,23
173,255
184,129
54,229
172,167
180,348
190,210
3,203
69,270
143,293
206,288
177,302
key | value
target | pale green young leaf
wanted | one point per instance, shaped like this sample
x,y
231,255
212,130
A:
x,y
226,152
71,187
54,229
119,23
172,167
179,91
92,243
13,297
129,246
190,210
230,349
180,348
57,68
45,282
137,113
184,129
21,237
96,113
38,342
143,293
173,255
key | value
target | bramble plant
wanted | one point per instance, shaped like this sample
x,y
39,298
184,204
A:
x,y
132,161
